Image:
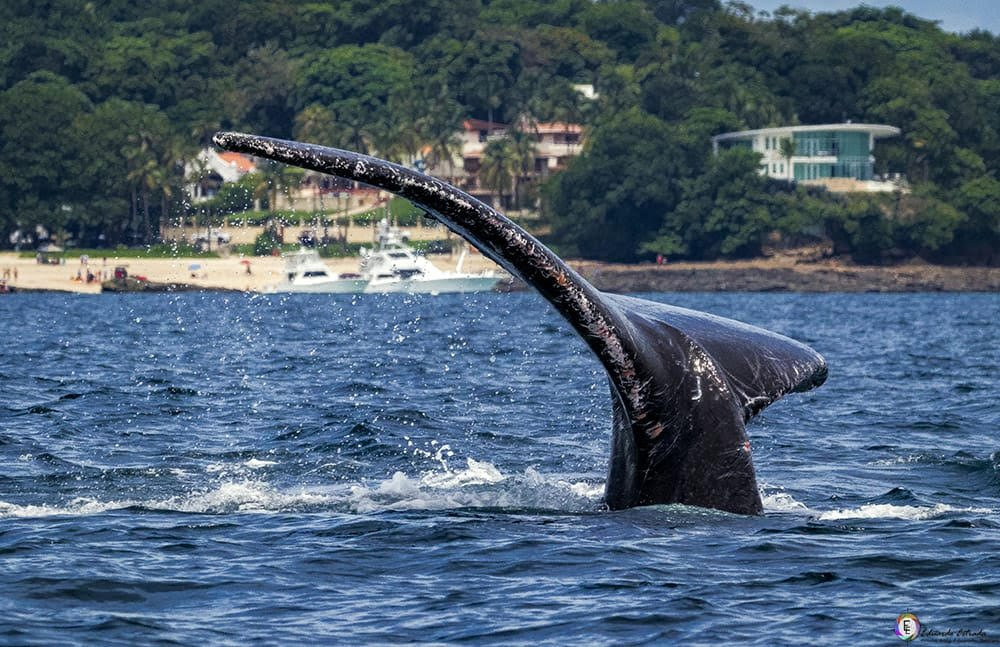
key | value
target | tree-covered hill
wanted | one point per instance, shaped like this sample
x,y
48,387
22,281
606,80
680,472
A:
x,y
100,103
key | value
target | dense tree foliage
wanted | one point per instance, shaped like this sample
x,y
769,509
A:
x,y
102,104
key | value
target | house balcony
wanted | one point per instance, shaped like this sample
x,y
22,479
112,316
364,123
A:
x,y
814,159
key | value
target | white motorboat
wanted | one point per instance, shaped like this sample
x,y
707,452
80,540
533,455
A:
x,y
392,267
305,271
395,267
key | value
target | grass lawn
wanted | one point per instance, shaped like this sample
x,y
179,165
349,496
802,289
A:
x,y
153,251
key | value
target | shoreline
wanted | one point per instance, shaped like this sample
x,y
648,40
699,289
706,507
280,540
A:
x,y
770,275
783,273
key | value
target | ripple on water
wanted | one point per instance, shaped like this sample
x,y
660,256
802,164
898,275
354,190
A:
x,y
307,468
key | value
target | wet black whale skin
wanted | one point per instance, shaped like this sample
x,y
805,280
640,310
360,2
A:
x,y
683,383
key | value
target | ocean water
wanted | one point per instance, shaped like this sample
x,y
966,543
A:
x,y
233,469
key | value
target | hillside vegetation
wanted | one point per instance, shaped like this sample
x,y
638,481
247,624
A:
x,y
101,103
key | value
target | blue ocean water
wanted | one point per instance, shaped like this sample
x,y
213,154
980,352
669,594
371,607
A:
x,y
225,469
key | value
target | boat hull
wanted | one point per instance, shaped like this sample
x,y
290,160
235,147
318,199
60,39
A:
x,y
444,285
338,286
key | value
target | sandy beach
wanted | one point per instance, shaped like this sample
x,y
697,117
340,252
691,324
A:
x,y
228,273
786,273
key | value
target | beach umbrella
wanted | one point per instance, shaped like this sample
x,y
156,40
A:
x,y
193,267
245,261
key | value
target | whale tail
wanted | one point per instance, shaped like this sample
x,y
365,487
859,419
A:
x,y
684,383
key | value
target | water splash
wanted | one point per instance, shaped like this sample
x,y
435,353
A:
x,y
238,489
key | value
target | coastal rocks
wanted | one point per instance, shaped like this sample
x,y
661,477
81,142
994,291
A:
x,y
801,278
133,284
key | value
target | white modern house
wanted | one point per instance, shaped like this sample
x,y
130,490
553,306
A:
x,y
837,156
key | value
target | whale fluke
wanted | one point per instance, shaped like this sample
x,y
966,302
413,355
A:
x,y
683,383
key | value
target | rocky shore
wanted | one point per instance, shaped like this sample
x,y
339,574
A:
x,y
765,276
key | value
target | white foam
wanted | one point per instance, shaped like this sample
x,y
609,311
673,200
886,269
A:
x,y
586,490
583,489
889,511
256,463
239,496
480,484
77,507
242,496
236,489
898,460
475,473
400,492
782,502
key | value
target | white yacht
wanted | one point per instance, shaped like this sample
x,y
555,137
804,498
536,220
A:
x,y
395,267
305,271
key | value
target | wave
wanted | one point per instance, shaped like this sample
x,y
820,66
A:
x,y
479,484
241,487
782,502
81,506
890,511
960,459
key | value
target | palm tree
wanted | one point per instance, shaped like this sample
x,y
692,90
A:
x,y
404,131
315,124
787,148
444,145
273,178
498,167
199,170
142,166
169,176
522,150
439,128
203,130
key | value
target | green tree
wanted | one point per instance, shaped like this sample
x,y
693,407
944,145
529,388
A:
x,y
728,211
263,96
439,127
977,239
316,124
499,167
521,146
40,165
398,77
356,84
628,28
614,195
272,179
787,148
923,224
152,64
861,229
236,197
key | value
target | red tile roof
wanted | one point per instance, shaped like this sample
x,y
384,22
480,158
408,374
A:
x,y
242,162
